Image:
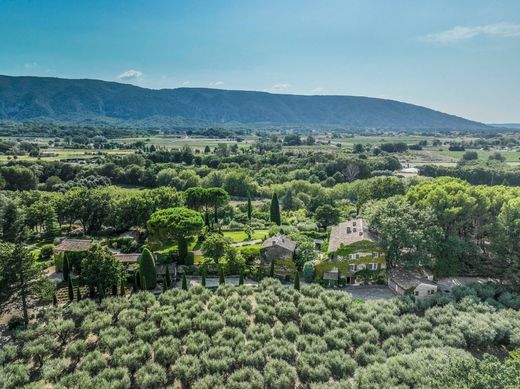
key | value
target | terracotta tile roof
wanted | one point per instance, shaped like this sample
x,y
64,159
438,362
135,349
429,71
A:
x,y
74,245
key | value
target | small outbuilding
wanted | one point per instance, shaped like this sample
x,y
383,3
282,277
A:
x,y
276,247
418,283
127,259
72,249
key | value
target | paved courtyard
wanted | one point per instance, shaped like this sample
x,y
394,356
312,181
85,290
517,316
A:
x,y
370,292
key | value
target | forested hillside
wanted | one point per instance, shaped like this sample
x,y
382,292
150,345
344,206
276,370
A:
x,y
94,101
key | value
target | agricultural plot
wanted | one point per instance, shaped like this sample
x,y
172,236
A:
x,y
264,336
57,154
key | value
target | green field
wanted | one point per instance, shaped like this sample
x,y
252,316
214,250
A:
x,y
178,142
511,156
240,236
64,154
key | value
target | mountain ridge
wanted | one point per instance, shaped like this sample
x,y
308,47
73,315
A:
x,y
27,98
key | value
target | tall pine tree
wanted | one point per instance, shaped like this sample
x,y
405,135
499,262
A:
x,y
275,210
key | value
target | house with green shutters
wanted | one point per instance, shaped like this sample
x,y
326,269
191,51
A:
x,y
354,251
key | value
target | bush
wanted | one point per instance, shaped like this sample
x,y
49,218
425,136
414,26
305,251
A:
x,y
55,368
147,331
46,252
132,356
313,324
92,363
197,342
186,369
151,375
245,378
279,374
8,354
113,337
311,368
280,349
113,378
340,364
211,381
218,359
75,349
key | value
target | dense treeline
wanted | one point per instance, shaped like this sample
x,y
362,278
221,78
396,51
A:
x,y
476,173
452,226
237,172
265,337
117,209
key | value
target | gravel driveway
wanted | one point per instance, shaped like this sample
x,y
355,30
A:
x,y
370,292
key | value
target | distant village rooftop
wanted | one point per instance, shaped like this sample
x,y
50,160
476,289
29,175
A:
x,y
349,232
74,245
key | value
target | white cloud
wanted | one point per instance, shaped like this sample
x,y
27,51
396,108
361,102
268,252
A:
x,y
317,90
462,33
185,83
30,65
216,84
130,75
280,87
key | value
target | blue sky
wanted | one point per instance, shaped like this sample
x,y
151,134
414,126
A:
x,y
461,57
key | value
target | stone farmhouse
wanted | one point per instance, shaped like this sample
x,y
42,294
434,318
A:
x,y
277,247
354,251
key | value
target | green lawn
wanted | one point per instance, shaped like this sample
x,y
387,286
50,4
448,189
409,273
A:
x,y
240,236
511,156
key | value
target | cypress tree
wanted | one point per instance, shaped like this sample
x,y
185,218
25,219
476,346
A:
x,y
184,282
297,281
182,247
101,292
78,293
206,218
147,269
144,285
249,208
71,290
122,288
222,279
167,278
91,291
271,269
241,277
203,275
275,210
65,268
54,300
260,273
114,290
134,282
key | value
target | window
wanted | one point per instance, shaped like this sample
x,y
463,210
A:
x,y
375,254
352,267
372,266
417,293
352,256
